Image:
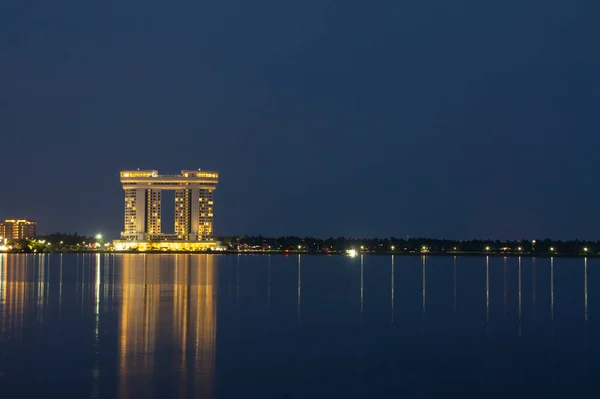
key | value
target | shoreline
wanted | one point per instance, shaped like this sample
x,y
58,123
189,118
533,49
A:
x,y
336,253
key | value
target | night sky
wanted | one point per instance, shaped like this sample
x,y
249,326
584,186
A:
x,y
436,118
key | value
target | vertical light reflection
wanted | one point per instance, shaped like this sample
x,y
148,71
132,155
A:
x,y
552,288
423,258
205,311
392,288
520,296
454,286
106,280
3,291
487,289
17,295
362,280
41,289
585,288
97,296
299,284
171,307
96,369
181,304
139,311
269,282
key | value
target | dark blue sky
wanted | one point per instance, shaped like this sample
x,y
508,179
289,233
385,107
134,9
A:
x,y
436,118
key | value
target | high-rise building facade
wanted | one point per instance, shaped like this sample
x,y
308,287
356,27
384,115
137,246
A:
x,y
193,210
13,229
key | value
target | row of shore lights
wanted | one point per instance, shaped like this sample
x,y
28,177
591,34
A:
x,y
424,248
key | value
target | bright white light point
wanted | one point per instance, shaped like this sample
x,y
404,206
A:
x,y
98,236
487,248
351,252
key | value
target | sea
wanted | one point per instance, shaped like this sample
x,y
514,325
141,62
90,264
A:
x,y
298,326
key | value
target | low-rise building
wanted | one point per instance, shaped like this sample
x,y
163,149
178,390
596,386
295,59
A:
x,y
13,229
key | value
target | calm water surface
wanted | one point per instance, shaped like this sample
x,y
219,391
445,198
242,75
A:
x,y
228,326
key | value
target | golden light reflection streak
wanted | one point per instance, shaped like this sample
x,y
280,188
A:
x,y
15,296
585,288
3,288
206,328
127,303
392,288
138,318
180,309
269,283
520,295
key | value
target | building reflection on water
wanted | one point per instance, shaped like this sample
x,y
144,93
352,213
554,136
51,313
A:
x,y
154,317
156,313
23,292
168,314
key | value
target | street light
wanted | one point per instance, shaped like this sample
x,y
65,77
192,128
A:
x,y
393,247
98,236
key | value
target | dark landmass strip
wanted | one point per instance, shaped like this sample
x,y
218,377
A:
x,y
62,243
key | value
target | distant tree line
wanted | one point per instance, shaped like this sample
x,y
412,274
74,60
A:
x,y
408,245
56,242
66,239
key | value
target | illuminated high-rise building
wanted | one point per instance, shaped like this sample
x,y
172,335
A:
x,y
193,210
18,229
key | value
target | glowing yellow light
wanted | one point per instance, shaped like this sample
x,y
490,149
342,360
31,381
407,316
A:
x,y
487,248
585,249
551,249
393,248
520,249
98,236
351,252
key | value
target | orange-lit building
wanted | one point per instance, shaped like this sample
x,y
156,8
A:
x,y
13,229
193,210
